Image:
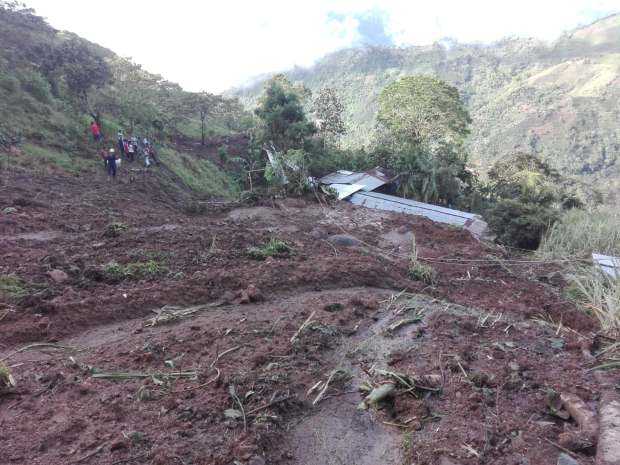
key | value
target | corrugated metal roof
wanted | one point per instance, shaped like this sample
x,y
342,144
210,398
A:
x,y
345,190
370,180
398,204
608,264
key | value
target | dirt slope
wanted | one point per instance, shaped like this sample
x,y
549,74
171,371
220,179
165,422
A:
x,y
489,334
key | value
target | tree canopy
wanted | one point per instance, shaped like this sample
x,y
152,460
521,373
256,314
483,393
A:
x,y
283,117
328,109
422,110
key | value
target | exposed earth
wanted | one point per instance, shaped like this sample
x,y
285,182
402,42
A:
x,y
138,333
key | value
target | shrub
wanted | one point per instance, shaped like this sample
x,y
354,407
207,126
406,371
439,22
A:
x,y
520,224
37,86
12,287
115,229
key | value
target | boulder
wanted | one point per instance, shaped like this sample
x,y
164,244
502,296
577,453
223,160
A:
x,y
58,276
343,240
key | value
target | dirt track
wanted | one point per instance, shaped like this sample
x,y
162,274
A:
x,y
481,328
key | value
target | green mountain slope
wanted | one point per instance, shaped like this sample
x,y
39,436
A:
x,y
53,83
558,100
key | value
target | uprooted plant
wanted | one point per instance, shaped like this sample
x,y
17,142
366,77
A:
x,y
419,271
6,378
115,229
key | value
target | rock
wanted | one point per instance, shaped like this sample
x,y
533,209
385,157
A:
x,y
447,461
256,460
565,459
58,276
343,240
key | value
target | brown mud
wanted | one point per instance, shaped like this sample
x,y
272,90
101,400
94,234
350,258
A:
x,y
490,331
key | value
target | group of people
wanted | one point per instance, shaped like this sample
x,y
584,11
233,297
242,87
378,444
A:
x,y
130,148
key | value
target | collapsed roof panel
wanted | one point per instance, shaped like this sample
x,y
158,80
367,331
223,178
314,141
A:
x,y
369,180
398,204
607,264
346,190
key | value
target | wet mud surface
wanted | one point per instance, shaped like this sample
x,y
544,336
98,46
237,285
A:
x,y
488,334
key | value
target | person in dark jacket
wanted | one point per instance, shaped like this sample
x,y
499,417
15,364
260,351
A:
x,y
111,164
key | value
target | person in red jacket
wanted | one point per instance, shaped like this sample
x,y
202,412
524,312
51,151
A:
x,y
96,131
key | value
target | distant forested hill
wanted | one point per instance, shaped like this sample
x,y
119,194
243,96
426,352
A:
x,y
558,100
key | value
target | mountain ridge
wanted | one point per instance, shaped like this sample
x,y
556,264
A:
x,y
555,99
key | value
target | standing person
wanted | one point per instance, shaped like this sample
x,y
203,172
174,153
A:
x,y
121,147
96,131
130,151
153,154
111,164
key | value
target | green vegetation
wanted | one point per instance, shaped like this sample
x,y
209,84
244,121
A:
x,y
199,174
575,236
283,120
581,232
419,271
115,272
422,125
115,229
42,159
6,378
273,248
53,84
598,295
12,287
553,100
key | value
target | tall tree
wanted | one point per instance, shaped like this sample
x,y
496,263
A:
x,y
423,123
328,109
283,117
422,110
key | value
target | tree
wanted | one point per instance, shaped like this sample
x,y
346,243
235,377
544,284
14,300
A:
x,y
527,196
283,117
422,126
422,110
209,105
328,109
76,63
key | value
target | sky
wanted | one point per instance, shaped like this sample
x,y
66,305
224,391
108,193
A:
x,y
215,45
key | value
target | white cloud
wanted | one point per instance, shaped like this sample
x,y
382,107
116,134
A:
x,y
215,45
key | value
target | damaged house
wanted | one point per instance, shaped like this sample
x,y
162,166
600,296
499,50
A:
x,y
374,189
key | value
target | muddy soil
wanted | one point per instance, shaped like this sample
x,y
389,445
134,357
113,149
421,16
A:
x,y
490,332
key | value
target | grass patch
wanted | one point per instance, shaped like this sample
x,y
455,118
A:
x,y
115,229
598,295
273,248
115,272
200,175
13,287
581,232
36,157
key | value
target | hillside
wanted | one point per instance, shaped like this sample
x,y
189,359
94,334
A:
x,y
559,100
54,83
